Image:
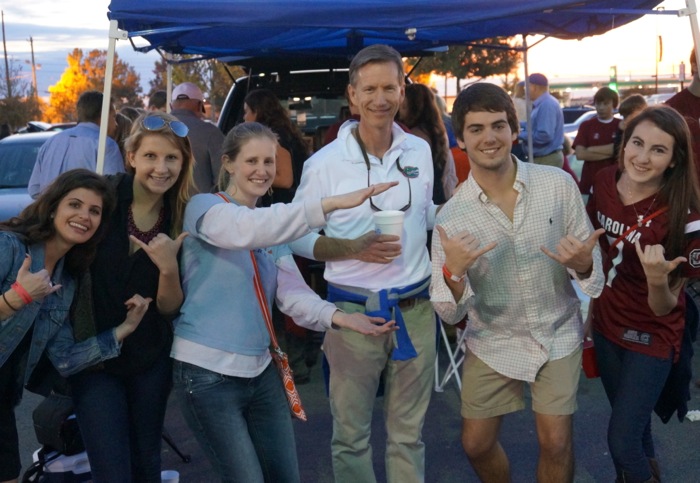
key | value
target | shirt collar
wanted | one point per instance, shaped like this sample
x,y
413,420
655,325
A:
x,y
352,151
521,183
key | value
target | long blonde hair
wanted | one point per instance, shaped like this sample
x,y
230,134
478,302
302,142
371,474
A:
x,y
179,194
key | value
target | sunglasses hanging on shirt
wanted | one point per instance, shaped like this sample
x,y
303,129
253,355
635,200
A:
x,y
398,166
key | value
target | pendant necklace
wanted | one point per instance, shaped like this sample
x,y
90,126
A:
x,y
640,218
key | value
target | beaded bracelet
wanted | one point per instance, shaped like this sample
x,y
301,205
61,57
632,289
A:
x,y
8,303
22,292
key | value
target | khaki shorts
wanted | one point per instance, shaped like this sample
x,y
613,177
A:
x,y
487,394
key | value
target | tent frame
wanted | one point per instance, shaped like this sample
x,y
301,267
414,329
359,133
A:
x,y
117,34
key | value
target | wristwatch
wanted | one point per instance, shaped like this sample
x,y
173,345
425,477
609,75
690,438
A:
x,y
451,276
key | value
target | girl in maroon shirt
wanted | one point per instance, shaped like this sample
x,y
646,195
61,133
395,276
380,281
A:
x,y
649,206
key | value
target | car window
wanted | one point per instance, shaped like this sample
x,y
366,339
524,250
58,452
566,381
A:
x,y
16,164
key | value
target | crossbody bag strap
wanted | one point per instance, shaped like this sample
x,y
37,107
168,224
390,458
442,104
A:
x,y
262,300
260,294
639,225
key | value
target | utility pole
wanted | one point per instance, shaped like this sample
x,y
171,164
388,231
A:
x,y
34,85
7,65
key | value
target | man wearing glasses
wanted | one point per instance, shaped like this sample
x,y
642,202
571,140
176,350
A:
x,y
206,139
376,274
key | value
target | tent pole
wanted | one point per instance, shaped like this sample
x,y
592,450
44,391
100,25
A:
x,y
114,34
168,81
692,12
528,104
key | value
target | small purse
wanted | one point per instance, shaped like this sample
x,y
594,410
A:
x,y
280,358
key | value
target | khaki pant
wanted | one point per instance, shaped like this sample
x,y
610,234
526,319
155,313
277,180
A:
x,y
552,159
357,362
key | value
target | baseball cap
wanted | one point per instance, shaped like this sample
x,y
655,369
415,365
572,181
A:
x,y
538,80
188,90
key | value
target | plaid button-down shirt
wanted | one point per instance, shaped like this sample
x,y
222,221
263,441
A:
x,y
523,309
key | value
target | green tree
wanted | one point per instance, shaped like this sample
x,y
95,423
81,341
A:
x,y
87,72
492,57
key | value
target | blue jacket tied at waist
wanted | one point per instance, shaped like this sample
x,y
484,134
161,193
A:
x,y
385,303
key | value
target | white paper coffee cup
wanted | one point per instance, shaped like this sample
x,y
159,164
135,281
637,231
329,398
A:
x,y
389,222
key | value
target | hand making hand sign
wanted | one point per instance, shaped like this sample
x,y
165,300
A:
x,y
461,250
574,253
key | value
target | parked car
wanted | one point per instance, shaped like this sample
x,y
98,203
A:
x,y
40,126
574,112
17,157
654,99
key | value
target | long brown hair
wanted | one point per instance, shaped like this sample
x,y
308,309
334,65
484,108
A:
x,y
422,113
179,194
270,112
679,188
35,223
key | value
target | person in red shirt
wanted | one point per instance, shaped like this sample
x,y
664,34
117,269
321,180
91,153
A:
x,y
594,143
649,206
687,102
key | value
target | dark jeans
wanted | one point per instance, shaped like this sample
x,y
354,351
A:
x,y
243,424
632,382
121,420
10,395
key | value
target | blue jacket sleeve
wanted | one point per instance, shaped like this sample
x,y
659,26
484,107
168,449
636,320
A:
x,y
70,357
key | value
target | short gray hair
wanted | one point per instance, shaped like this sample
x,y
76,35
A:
x,y
377,53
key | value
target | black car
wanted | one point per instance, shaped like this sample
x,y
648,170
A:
x,y
311,88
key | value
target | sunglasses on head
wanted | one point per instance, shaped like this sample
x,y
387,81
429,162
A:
x,y
156,123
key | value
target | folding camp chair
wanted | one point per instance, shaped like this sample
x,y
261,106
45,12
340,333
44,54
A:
x,y
455,357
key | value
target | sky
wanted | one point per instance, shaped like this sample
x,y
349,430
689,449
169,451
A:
x,y
57,27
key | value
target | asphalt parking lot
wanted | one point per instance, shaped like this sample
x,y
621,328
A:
x,y
677,443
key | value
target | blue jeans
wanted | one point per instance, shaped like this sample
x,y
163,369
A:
x,y
243,424
633,383
121,420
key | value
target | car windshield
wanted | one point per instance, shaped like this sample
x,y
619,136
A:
x,y
16,163
314,112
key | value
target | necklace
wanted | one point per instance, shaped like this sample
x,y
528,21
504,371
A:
x,y
144,236
640,218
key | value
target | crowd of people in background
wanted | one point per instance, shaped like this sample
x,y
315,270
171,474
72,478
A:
x,y
159,276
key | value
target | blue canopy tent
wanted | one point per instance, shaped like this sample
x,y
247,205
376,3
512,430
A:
x,y
230,29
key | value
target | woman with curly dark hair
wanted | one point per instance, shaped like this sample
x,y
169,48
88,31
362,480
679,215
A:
x,y
419,112
263,106
42,251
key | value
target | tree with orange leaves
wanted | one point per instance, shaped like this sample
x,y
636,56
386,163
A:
x,y
87,72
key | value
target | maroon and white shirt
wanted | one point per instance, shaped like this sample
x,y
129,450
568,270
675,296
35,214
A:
x,y
622,313
595,132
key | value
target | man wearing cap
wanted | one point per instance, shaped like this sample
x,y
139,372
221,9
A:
x,y
206,139
77,147
547,124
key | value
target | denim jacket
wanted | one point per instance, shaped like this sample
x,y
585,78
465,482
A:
x,y
49,317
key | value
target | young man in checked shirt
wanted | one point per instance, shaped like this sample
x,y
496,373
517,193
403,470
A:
x,y
509,242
